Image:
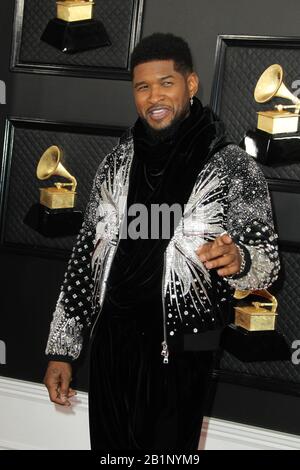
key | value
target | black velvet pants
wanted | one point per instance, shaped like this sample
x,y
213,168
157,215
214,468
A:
x,y
135,401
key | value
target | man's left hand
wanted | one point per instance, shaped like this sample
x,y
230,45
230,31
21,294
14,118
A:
x,y
221,253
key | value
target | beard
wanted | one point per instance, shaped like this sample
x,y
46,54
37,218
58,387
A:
x,y
166,133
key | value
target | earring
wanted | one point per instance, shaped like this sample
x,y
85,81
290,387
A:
x,y
192,100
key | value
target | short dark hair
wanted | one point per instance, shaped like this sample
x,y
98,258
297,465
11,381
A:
x,y
163,46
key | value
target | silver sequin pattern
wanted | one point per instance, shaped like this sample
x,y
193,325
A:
x,y
230,195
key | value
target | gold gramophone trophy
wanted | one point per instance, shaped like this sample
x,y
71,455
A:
x,y
57,196
276,138
74,29
55,215
252,336
278,121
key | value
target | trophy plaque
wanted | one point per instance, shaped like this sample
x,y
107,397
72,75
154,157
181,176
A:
x,y
252,336
74,29
276,138
55,215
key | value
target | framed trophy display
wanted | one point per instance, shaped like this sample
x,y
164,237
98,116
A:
x,y
47,174
256,92
92,38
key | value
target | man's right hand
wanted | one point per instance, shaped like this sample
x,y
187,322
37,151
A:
x,y
57,380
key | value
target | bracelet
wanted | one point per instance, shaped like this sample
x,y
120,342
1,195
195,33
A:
x,y
243,259
245,262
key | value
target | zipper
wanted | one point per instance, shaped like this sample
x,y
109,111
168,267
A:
x,y
165,349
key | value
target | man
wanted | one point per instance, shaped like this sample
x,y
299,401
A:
x,y
159,302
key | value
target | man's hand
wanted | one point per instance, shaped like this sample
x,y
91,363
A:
x,y
57,380
221,253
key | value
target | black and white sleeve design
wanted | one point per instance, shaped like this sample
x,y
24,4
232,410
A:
x,y
74,309
250,222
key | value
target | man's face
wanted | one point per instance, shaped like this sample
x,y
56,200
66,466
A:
x,y
161,94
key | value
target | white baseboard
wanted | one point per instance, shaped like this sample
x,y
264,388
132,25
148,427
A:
x,y
218,434
29,421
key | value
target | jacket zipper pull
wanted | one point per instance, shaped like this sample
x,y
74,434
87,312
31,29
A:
x,y
165,352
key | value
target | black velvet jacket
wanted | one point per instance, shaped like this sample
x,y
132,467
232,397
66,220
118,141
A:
x,y
224,190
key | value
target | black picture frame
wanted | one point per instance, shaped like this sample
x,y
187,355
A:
x,y
70,67
286,193
239,62
274,376
57,248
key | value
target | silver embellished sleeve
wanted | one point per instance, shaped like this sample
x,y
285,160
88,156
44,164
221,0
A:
x,y
72,317
250,222
78,299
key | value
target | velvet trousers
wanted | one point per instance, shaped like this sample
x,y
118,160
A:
x,y
136,402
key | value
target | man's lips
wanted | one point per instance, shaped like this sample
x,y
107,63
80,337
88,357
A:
x,y
159,112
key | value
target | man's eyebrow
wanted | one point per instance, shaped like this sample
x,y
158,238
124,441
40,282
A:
x,y
161,78
167,76
139,83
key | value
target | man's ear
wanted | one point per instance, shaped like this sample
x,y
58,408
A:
x,y
193,83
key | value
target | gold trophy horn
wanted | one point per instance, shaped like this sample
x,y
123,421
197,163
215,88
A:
x,y
57,197
270,85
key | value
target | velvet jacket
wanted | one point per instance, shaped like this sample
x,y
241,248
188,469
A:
x,y
230,195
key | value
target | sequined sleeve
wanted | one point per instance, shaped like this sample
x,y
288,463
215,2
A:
x,y
250,222
73,313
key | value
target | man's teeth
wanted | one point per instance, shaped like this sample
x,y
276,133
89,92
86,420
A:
x,y
159,112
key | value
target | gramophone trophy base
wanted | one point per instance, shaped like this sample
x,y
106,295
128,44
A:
x,y
253,346
277,122
74,11
272,149
254,320
76,36
54,222
57,198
